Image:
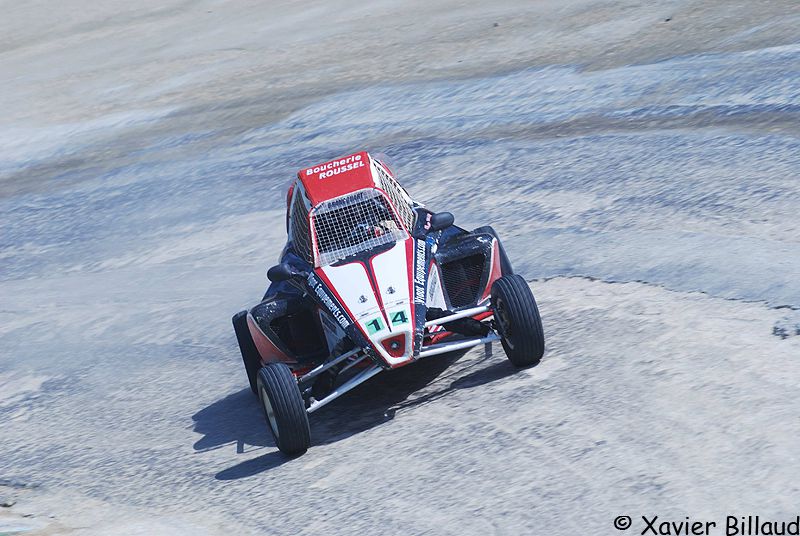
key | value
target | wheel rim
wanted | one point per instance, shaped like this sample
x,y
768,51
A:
x,y
503,322
269,411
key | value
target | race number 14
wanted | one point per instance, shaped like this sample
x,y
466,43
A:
x,y
397,318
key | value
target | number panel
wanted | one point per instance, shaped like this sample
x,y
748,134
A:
x,y
375,325
399,318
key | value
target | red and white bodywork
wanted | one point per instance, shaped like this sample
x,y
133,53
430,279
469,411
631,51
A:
x,y
373,280
378,285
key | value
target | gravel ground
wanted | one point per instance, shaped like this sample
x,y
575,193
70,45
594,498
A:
x,y
640,160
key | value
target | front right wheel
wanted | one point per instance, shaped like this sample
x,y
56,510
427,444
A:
x,y
518,322
284,409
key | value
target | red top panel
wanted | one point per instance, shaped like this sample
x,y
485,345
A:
x,y
337,177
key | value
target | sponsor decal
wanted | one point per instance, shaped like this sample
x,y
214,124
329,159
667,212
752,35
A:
x,y
336,167
419,273
433,286
321,293
349,200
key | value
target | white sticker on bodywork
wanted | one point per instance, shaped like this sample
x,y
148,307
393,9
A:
x,y
435,297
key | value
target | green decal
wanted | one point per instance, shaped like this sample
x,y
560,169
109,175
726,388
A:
x,y
399,317
375,325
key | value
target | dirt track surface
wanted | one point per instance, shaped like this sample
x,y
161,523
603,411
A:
x,y
640,161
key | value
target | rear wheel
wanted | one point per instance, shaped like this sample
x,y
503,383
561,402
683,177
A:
x,y
250,355
518,322
284,409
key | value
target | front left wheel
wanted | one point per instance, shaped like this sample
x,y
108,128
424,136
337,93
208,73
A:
x,y
284,409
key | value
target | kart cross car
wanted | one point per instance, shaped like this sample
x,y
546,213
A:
x,y
371,280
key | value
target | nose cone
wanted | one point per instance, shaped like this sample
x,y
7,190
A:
x,y
395,346
377,293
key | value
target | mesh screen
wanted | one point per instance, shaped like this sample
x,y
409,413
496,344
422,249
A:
x,y
299,227
462,279
398,197
354,223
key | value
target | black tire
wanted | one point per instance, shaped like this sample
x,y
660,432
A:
x,y
250,355
518,322
284,409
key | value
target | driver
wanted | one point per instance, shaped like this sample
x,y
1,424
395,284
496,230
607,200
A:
x,y
367,231
382,223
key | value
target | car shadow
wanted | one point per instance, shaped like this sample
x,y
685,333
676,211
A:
x,y
253,466
482,375
237,417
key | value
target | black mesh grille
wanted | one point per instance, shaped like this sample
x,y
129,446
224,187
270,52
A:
x,y
462,279
300,333
280,326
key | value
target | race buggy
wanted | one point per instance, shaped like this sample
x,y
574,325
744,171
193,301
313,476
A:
x,y
371,280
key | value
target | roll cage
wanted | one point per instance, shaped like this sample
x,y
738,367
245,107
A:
x,y
366,218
